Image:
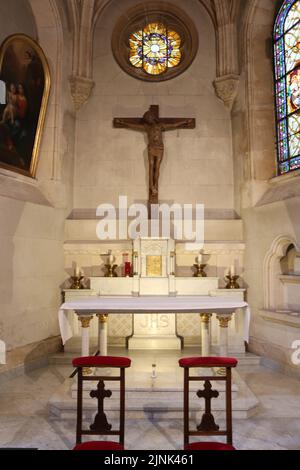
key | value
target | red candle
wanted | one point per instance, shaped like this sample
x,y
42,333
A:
x,y
127,269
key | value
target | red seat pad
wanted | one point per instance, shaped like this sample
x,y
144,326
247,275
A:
x,y
101,361
99,445
208,446
208,362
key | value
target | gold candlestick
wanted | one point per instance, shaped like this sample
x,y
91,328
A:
x,y
111,270
77,282
200,270
232,282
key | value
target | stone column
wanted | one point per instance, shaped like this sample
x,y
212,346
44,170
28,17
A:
x,y
205,333
102,334
85,335
85,340
135,263
172,263
224,322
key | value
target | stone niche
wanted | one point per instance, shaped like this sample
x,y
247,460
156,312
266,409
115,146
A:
x,y
276,328
290,278
282,277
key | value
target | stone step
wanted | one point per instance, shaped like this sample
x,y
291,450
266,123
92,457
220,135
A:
x,y
158,402
246,359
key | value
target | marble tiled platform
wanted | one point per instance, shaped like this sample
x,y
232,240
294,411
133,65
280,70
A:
x,y
160,397
25,420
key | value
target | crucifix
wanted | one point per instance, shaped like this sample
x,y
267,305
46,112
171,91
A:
x,y
154,126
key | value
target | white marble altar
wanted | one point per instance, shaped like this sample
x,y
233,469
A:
x,y
154,274
205,306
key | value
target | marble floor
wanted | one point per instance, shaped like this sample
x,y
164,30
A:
x,y
25,420
162,396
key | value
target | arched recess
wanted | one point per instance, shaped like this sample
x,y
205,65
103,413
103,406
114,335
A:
x,y
51,39
223,14
272,269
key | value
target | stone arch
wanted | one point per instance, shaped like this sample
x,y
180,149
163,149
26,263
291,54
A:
x,y
100,7
273,291
222,13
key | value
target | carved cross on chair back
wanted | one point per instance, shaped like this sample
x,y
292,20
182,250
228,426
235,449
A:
x,y
208,422
100,424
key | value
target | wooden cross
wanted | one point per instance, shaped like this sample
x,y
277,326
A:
x,y
100,423
154,126
208,421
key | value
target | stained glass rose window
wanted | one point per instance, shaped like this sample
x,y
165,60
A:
x,y
155,49
155,41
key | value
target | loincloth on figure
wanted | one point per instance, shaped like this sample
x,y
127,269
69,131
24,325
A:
x,y
156,150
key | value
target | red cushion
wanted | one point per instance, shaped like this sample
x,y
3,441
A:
x,y
99,445
101,361
208,446
208,362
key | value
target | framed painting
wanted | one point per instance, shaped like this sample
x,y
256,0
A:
x,y
24,95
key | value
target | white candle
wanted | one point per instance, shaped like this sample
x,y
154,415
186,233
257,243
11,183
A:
x,y
200,259
232,270
110,257
77,270
154,374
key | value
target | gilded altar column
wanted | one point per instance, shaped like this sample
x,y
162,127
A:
x,y
102,334
85,335
205,334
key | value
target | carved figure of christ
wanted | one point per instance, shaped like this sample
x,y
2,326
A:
x,y
154,126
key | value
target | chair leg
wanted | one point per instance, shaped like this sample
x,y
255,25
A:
x,y
186,407
122,407
79,407
229,406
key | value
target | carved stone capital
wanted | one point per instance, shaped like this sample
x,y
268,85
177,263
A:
x,y
205,318
224,320
103,318
226,88
81,89
85,321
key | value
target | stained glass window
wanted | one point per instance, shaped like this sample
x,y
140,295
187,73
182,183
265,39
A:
x,y
155,49
287,85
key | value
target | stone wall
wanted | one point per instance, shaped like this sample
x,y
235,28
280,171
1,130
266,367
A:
x,y
269,206
32,212
110,162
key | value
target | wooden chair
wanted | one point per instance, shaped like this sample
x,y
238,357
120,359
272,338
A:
x,y
208,427
100,427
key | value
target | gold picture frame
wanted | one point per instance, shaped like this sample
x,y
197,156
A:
x,y
24,95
